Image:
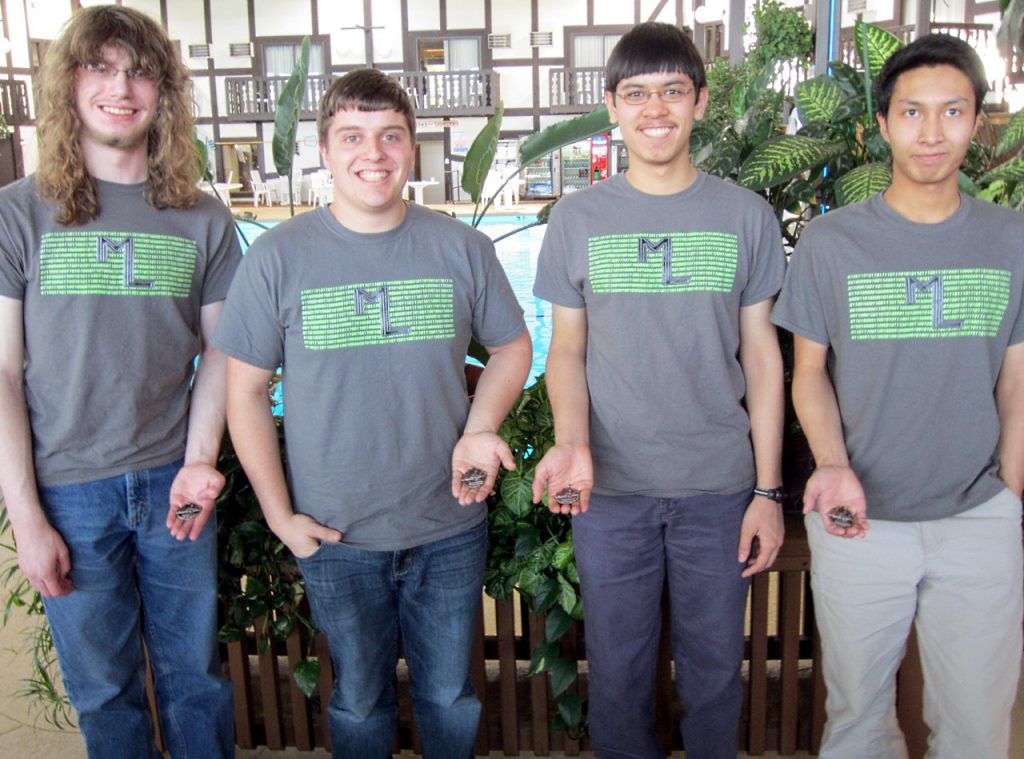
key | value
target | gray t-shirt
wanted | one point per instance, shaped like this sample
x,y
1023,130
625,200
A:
x,y
372,331
663,279
917,318
112,329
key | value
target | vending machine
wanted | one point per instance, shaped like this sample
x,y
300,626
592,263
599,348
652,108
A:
x,y
599,156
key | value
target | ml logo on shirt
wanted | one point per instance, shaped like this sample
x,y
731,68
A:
x,y
112,263
378,313
927,304
662,263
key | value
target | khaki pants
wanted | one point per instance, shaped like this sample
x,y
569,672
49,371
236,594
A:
x,y
960,580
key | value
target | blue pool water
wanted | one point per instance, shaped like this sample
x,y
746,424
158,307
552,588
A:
x,y
518,256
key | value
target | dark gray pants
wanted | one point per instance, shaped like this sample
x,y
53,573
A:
x,y
625,548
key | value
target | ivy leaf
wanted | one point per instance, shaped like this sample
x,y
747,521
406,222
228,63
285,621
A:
x,y
306,674
281,627
566,595
1011,171
517,493
817,99
881,44
556,624
570,709
527,541
563,555
783,158
1012,135
546,596
562,672
544,655
480,155
862,182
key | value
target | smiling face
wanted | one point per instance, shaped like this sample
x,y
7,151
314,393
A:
x,y
657,133
929,126
370,155
115,104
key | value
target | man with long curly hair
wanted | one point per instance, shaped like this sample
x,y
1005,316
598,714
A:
x,y
113,270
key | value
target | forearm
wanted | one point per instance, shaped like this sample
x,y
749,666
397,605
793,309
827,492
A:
x,y
816,407
255,440
569,394
1010,404
17,469
766,408
499,386
206,409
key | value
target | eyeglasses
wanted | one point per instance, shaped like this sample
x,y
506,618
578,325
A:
x,y
642,95
105,71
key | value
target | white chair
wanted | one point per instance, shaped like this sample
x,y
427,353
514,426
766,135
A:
x,y
260,189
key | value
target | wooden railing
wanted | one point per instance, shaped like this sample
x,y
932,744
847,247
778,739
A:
x,y
784,708
14,102
451,93
255,98
576,90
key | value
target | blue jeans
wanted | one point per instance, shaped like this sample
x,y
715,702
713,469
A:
x,y
425,600
134,582
626,548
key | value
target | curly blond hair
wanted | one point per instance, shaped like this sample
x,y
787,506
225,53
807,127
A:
x,y
173,167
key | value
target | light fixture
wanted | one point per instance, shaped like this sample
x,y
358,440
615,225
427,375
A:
x,y
712,12
499,40
541,39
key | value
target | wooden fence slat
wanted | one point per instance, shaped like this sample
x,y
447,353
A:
x,y
270,694
478,674
325,685
539,706
571,648
241,684
757,672
790,587
505,617
302,718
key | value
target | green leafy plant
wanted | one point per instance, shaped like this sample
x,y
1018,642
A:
x,y
531,551
5,131
782,34
286,119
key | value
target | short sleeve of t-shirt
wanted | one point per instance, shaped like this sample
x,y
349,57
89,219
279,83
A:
x,y
799,308
769,259
497,315
553,283
249,329
223,252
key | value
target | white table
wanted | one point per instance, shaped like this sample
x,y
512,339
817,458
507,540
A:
x,y
417,187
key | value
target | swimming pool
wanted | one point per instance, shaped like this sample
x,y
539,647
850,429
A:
x,y
518,256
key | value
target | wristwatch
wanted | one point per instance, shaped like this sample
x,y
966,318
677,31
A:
x,y
774,494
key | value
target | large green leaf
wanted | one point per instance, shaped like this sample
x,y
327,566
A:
x,y
562,673
286,118
880,43
860,183
817,99
783,158
563,133
517,493
1011,171
306,674
480,155
1012,135
202,157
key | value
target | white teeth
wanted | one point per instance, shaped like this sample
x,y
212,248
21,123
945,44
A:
x,y
118,111
373,176
656,131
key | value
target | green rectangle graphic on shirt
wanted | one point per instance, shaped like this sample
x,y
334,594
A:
x,y
116,263
378,313
927,304
663,263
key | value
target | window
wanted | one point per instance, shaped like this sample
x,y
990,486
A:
x,y
448,53
591,51
276,56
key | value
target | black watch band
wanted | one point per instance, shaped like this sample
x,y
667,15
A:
x,y
775,494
